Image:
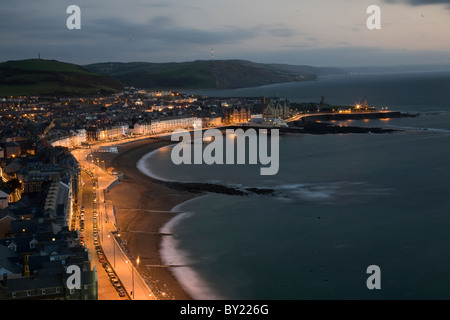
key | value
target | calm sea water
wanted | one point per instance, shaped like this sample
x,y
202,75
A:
x,y
343,203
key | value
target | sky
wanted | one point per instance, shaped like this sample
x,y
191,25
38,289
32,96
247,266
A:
x,y
307,32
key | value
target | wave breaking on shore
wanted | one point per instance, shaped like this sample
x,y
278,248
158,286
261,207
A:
x,y
190,280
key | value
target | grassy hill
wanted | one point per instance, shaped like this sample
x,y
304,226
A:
x,y
220,74
158,75
50,77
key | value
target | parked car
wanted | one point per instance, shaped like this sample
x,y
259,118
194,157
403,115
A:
x,y
118,287
122,293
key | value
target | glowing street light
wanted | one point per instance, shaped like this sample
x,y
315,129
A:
x,y
132,275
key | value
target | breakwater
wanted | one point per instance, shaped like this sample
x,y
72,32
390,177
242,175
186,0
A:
x,y
351,116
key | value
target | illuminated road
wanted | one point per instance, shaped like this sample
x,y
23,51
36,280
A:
x,y
132,282
106,290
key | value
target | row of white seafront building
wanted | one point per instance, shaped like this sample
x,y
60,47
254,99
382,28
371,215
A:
x,y
77,137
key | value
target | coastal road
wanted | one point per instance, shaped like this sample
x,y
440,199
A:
x,y
123,266
106,290
132,282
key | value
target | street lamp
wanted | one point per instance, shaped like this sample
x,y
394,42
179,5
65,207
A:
x,y
137,264
114,249
132,275
132,280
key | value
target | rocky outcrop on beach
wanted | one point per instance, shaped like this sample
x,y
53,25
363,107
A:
x,y
327,128
197,187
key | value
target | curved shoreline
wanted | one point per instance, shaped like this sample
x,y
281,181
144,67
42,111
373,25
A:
x,y
140,164
189,279
166,196
144,205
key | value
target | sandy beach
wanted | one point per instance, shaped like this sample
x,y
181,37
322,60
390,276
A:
x,y
142,207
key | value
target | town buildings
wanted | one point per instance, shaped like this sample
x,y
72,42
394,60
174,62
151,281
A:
x,y
36,243
40,179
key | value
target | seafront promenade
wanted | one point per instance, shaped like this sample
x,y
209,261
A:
x,y
125,269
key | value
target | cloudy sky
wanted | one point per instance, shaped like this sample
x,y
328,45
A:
x,y
312,32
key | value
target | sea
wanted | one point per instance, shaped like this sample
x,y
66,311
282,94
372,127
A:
x,y
342,203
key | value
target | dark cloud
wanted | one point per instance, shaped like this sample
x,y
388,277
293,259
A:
x,y
172,30
165,30
114,38
158,31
